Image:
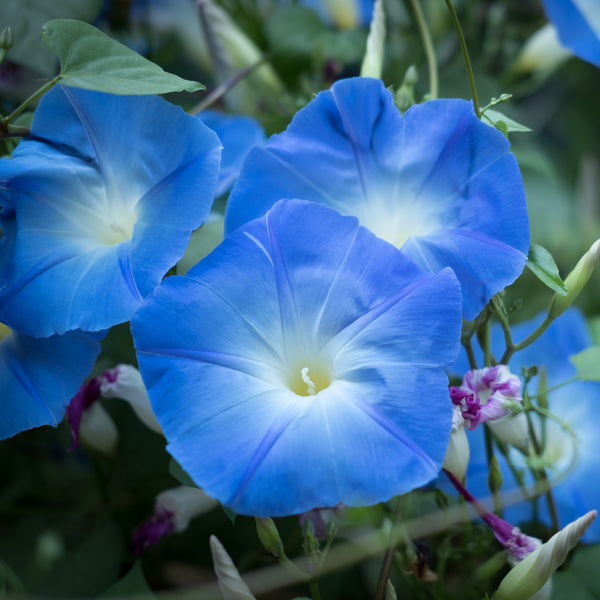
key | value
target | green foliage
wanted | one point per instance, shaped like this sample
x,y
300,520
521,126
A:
x,y
579,581
587,364
91,60
176,470
132,584
26,20
542,265
203,241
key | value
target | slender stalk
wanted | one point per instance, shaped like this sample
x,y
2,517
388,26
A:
x,y
465,53
314,590
428,47
222,89
534,335
37,94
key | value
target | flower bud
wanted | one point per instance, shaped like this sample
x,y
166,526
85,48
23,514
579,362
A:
x,y
575,281
269,536
6,39
458,452
231,584
532,573
495,480
542,53
373,59
125,381
98,429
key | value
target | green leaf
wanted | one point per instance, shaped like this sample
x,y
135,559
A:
x,y
579,581
542,265
132,584
176,470
203,241
587,364
26,20
91,60
502,122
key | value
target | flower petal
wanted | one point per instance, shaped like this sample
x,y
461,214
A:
x,y
437,176
38,378
100,216
221,352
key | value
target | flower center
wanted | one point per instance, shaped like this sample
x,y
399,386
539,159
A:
x,y
309,380
116,228
4,331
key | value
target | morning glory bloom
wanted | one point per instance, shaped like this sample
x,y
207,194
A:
x,y
578,25
575,403
437,182
38,377
238,134
105,193
288,369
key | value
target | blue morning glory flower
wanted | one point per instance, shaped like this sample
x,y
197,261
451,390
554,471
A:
x,y
576,403
578,25
437,183
238,134
38,377
287,368
105,192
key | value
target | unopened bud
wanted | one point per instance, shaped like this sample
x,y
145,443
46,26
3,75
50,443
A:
x,y
542,52
575,281
269,536
310,546
373,59
495,480
49,550
99,430
231,584
6,39
331,529
531,574
390,591
458,452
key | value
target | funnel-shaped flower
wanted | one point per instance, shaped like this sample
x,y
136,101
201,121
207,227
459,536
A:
x,y
288,368
437,183
39,377
578,24
104,195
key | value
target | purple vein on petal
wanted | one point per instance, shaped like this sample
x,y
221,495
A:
x,y
245,365
234,308
285,295
358,325
48,263
333,282
17,370
393,430
125,267
286,416
302,177
453,134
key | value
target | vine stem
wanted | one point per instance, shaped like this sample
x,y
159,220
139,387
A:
x,y
428,47
37,94
465,53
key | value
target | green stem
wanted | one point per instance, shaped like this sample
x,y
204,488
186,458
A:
x,y
37,94
550,389
465,53
428,47
534,335
542,474
292,569
314,590
489,450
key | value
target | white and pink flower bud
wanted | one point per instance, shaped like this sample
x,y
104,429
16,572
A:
x,y
457,456
493,394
